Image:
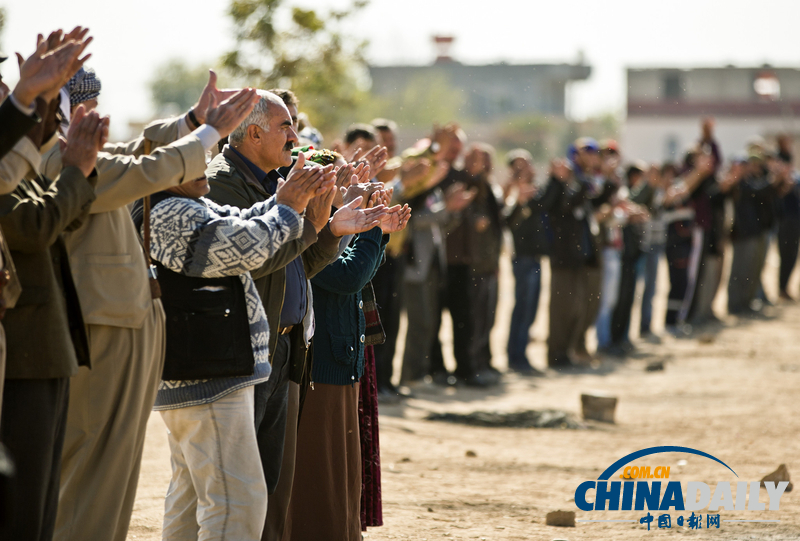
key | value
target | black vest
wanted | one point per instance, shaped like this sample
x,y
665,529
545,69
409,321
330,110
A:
x,y
208,332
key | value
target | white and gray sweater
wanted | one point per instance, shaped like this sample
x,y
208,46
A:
x,y
197,237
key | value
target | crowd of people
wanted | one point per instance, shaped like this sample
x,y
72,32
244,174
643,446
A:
x,y
229,271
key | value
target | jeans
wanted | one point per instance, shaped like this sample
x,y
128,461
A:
x,y
651,261
527,286
217,489
609,292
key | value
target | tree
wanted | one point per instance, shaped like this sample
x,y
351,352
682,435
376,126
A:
x,y
308,53
175,86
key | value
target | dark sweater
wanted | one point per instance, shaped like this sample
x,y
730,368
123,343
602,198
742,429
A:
x,y
753,207
339,335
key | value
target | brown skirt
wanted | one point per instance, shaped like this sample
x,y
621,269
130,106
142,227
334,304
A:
x,y
326,495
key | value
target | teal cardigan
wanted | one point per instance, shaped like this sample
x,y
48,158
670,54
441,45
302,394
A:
x,y
338,310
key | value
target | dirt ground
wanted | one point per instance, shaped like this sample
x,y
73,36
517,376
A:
x,y
732,394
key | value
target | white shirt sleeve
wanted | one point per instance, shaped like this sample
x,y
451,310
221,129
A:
x,y
208,135
26,110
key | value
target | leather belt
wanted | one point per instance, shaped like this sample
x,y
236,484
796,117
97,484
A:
x,y
285,330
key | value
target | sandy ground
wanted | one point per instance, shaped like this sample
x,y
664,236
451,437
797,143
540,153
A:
x,y
732,395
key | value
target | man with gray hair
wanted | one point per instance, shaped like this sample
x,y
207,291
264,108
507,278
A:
x,y
246,173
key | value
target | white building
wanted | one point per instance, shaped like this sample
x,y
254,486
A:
x,y
665,107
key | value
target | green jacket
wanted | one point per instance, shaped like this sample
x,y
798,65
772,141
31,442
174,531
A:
x,y
232,183
46,337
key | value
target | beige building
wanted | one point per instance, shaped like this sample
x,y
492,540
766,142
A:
x,y
665,107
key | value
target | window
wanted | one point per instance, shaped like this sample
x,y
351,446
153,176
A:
x,y
673,89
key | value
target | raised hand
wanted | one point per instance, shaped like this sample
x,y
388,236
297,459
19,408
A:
x,y
302,185
458,197
527,192
560,169
414,171
318,211
362,172
376,159
344,173
86,137
396,217
53,63
363,190
226,116
210,95
350,219
704,164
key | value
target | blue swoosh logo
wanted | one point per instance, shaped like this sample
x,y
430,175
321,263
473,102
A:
x,y
654,451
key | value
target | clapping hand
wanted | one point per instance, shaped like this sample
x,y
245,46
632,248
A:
x,y
350,220
51,66
318,211
560,169
458,197
210,95
226,116
396,217
375,158
86,137
302,185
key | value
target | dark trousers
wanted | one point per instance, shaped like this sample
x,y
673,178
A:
x,y
388,285
745,275
678,252
788,245
527,286
272,403
278,505
574,303
484,288
621,317
33,427
423,311
457,297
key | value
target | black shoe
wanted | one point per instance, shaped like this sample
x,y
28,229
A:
x,y
527,371
478,380
612,351
443,379
388,396
559,361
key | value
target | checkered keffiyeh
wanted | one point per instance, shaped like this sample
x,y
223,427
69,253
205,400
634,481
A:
x,y
83,86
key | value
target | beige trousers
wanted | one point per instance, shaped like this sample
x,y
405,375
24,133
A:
x,y
217,491
109,406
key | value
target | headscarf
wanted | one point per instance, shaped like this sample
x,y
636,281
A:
x,y
83,86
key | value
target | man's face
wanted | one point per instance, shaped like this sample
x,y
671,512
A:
x,y
452,149
387,139
275,145
588,159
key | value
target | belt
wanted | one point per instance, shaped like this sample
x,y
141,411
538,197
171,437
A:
x,y
285,330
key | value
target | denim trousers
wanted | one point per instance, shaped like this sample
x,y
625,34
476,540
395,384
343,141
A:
x,y
527,286
609,293
650,263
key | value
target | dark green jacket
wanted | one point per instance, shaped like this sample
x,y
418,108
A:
x,y
45,334
339,310
233,183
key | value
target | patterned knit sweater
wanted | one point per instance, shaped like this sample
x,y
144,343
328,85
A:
x,y
197,237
